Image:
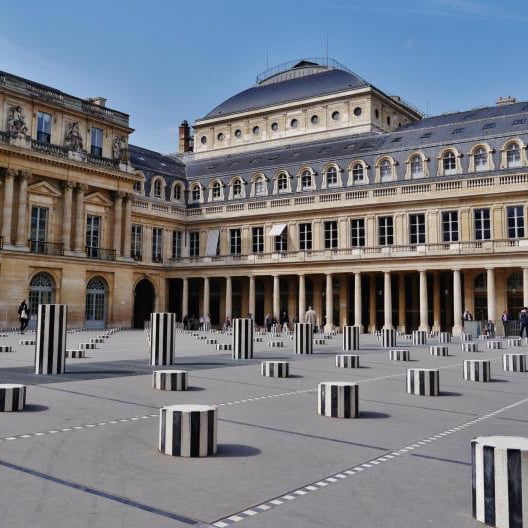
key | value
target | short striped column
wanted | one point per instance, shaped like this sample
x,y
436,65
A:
x,y
477,370
444,337
258,339
6,348
223,346
388,337
187,430
514,341
438,350
275,344
399,354
210,341
347,361
75,354
12,397
419,337
50,349
514,362
500,481
464,338
469,347
275,369
423,382
97,340
303,338
87,346
242,339
350,338
494,344
162,338
338,399
169,380
319,341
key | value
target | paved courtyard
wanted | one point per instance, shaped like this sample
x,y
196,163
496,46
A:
x,y
84,452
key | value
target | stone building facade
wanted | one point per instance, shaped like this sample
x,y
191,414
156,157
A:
x,y
311,188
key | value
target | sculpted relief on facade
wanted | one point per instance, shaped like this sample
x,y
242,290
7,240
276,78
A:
x,y
16,122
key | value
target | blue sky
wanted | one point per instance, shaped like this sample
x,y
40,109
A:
x,y
165,61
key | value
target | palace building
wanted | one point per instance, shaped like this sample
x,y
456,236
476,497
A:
x,y
310,188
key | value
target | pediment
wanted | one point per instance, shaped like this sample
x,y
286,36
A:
x,y
98,198
45,188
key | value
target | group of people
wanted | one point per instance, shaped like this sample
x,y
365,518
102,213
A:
x,y
283,324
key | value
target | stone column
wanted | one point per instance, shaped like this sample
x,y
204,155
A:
x,y
21,236
492,311
387,299
329,308
67,215
8,206
302,298
276,297
436,301
228,298
525,287
127,234
185,297
206,296
358,315
79,219
292,300
457,303
402,316
251,303
372,302
424,309
118,221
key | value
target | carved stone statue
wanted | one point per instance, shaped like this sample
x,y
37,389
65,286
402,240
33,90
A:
x,y
120,149
16,122
72,137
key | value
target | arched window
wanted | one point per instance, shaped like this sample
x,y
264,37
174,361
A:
x,y
513,155
138,187
417,169
237,188
282,182
216,191
449,163
196,193
385,169
260,186
96,303
177,193
158,188
358,174
41,291
306,180
331,177
480,157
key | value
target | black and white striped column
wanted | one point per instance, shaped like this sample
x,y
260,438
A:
x,y
75,354
444,337
514,341
399,354
50,349
469,347
477,370
303,338
6,348
242,339
419,337
438,350
275,369
350,338
388,337
494,345
423,382
188,430
169,380
12,397
466,337
514,362
338,399
162,338
347,360
500,481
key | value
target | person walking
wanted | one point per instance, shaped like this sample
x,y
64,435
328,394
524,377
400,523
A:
x,y
310,316
523,320
23,314
268,322
284,320
505,317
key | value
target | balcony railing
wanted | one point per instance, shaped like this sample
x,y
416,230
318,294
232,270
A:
x,y
47,248
100,253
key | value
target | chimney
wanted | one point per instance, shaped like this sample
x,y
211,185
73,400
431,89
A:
x,y
505,100
98,101
184,138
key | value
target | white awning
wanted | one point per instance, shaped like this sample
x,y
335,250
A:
x,y
212,242
277,229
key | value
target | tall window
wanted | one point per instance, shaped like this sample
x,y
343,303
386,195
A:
x,y
282,182
385,171
176,244
482,224
96,144
449,163
136,242
158,188
257,235
44,127
176,196
515,214
260,188
217,191
386,230
194,243
235,241
137,186
417,228
450,226
417,167
157,244
481,159
306,180
237,189
331,177
513,155
305,237
39,221
93,234
358,174
357,232
330,234
281,241
196,193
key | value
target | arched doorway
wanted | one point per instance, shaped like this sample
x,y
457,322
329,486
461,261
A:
x,y
514,292
143,302
96,302
41,291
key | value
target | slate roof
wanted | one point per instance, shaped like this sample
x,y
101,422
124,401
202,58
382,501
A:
x,y
153,162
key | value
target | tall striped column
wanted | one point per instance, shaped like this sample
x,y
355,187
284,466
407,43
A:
x,y
500,481
50,349
423,382
350,338
388,337
303,338
162,338
242,339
